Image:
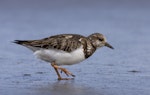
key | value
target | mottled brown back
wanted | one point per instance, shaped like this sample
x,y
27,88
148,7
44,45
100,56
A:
x,y
66,42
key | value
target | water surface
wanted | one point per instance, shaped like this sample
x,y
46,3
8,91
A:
x,y
123,71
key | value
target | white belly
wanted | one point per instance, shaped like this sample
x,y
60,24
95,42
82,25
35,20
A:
x,y
61,57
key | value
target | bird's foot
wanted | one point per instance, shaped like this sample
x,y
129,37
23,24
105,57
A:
x,y
66,72
56,67
65,78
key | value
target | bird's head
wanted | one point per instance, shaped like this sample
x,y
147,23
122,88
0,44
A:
x,y
99,40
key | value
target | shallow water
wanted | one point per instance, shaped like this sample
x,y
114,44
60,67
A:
x,y
123,71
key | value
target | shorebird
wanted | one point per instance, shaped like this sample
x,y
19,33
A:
x,y
65,49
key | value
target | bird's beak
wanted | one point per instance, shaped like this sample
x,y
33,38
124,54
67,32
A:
x,y
108,45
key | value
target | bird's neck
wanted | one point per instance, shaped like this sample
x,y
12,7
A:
x,y
89,49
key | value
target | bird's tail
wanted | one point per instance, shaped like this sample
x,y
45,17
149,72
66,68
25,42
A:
x,y
21,42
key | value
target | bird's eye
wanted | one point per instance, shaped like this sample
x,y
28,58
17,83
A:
x,y
101,39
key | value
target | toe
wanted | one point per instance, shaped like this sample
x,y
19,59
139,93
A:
x,y
73,75
65,78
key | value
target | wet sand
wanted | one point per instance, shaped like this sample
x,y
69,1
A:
x,y
123,71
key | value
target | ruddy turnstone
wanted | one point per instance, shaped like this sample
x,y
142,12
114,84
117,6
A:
x,y
65,49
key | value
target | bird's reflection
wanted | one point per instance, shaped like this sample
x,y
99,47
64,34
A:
x,y
65,88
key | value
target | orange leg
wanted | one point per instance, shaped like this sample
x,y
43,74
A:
x,y
56,67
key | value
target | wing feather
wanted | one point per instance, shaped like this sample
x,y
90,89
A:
x,y
65,42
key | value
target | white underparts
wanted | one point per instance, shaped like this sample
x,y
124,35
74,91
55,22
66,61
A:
x,y
61,57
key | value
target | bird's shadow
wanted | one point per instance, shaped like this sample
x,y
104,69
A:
x,y
66,88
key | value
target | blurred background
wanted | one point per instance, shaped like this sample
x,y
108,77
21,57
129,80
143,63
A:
x,y
123,71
